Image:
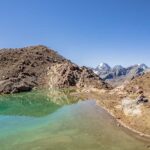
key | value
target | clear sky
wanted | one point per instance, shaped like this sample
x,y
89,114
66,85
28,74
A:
x,y
86,31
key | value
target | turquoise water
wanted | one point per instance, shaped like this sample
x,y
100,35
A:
x,y
36,121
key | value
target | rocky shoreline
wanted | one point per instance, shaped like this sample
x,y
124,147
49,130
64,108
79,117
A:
x,y
121,123
109,102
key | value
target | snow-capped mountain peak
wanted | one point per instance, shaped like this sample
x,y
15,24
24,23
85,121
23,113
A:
x,y
106,72
103,66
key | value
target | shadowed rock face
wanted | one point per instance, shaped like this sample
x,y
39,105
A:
x,y
26,68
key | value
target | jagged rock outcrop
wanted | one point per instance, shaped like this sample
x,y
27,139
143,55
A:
x,y
26,68
68,74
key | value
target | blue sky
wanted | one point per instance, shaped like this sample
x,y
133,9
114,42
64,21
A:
x,y
86,31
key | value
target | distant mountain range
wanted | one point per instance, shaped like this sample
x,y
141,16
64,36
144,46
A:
x,y
118,73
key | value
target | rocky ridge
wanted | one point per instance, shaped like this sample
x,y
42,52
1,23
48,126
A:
x,y
24,69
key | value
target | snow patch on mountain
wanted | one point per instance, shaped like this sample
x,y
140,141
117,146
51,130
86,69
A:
x,y
103,67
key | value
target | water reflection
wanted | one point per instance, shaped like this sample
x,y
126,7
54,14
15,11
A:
x,y
35,104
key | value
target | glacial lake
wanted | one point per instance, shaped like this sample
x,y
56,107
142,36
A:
x,y
37,121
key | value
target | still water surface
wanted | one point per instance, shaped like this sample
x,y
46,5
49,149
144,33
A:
x,y
33,121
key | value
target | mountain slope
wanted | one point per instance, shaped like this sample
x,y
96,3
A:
x,y
26,68
141,82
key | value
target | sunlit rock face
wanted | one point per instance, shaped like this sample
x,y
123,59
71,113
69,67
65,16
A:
x,y
70,75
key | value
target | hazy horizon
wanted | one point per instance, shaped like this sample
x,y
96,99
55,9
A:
x,y
86,32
